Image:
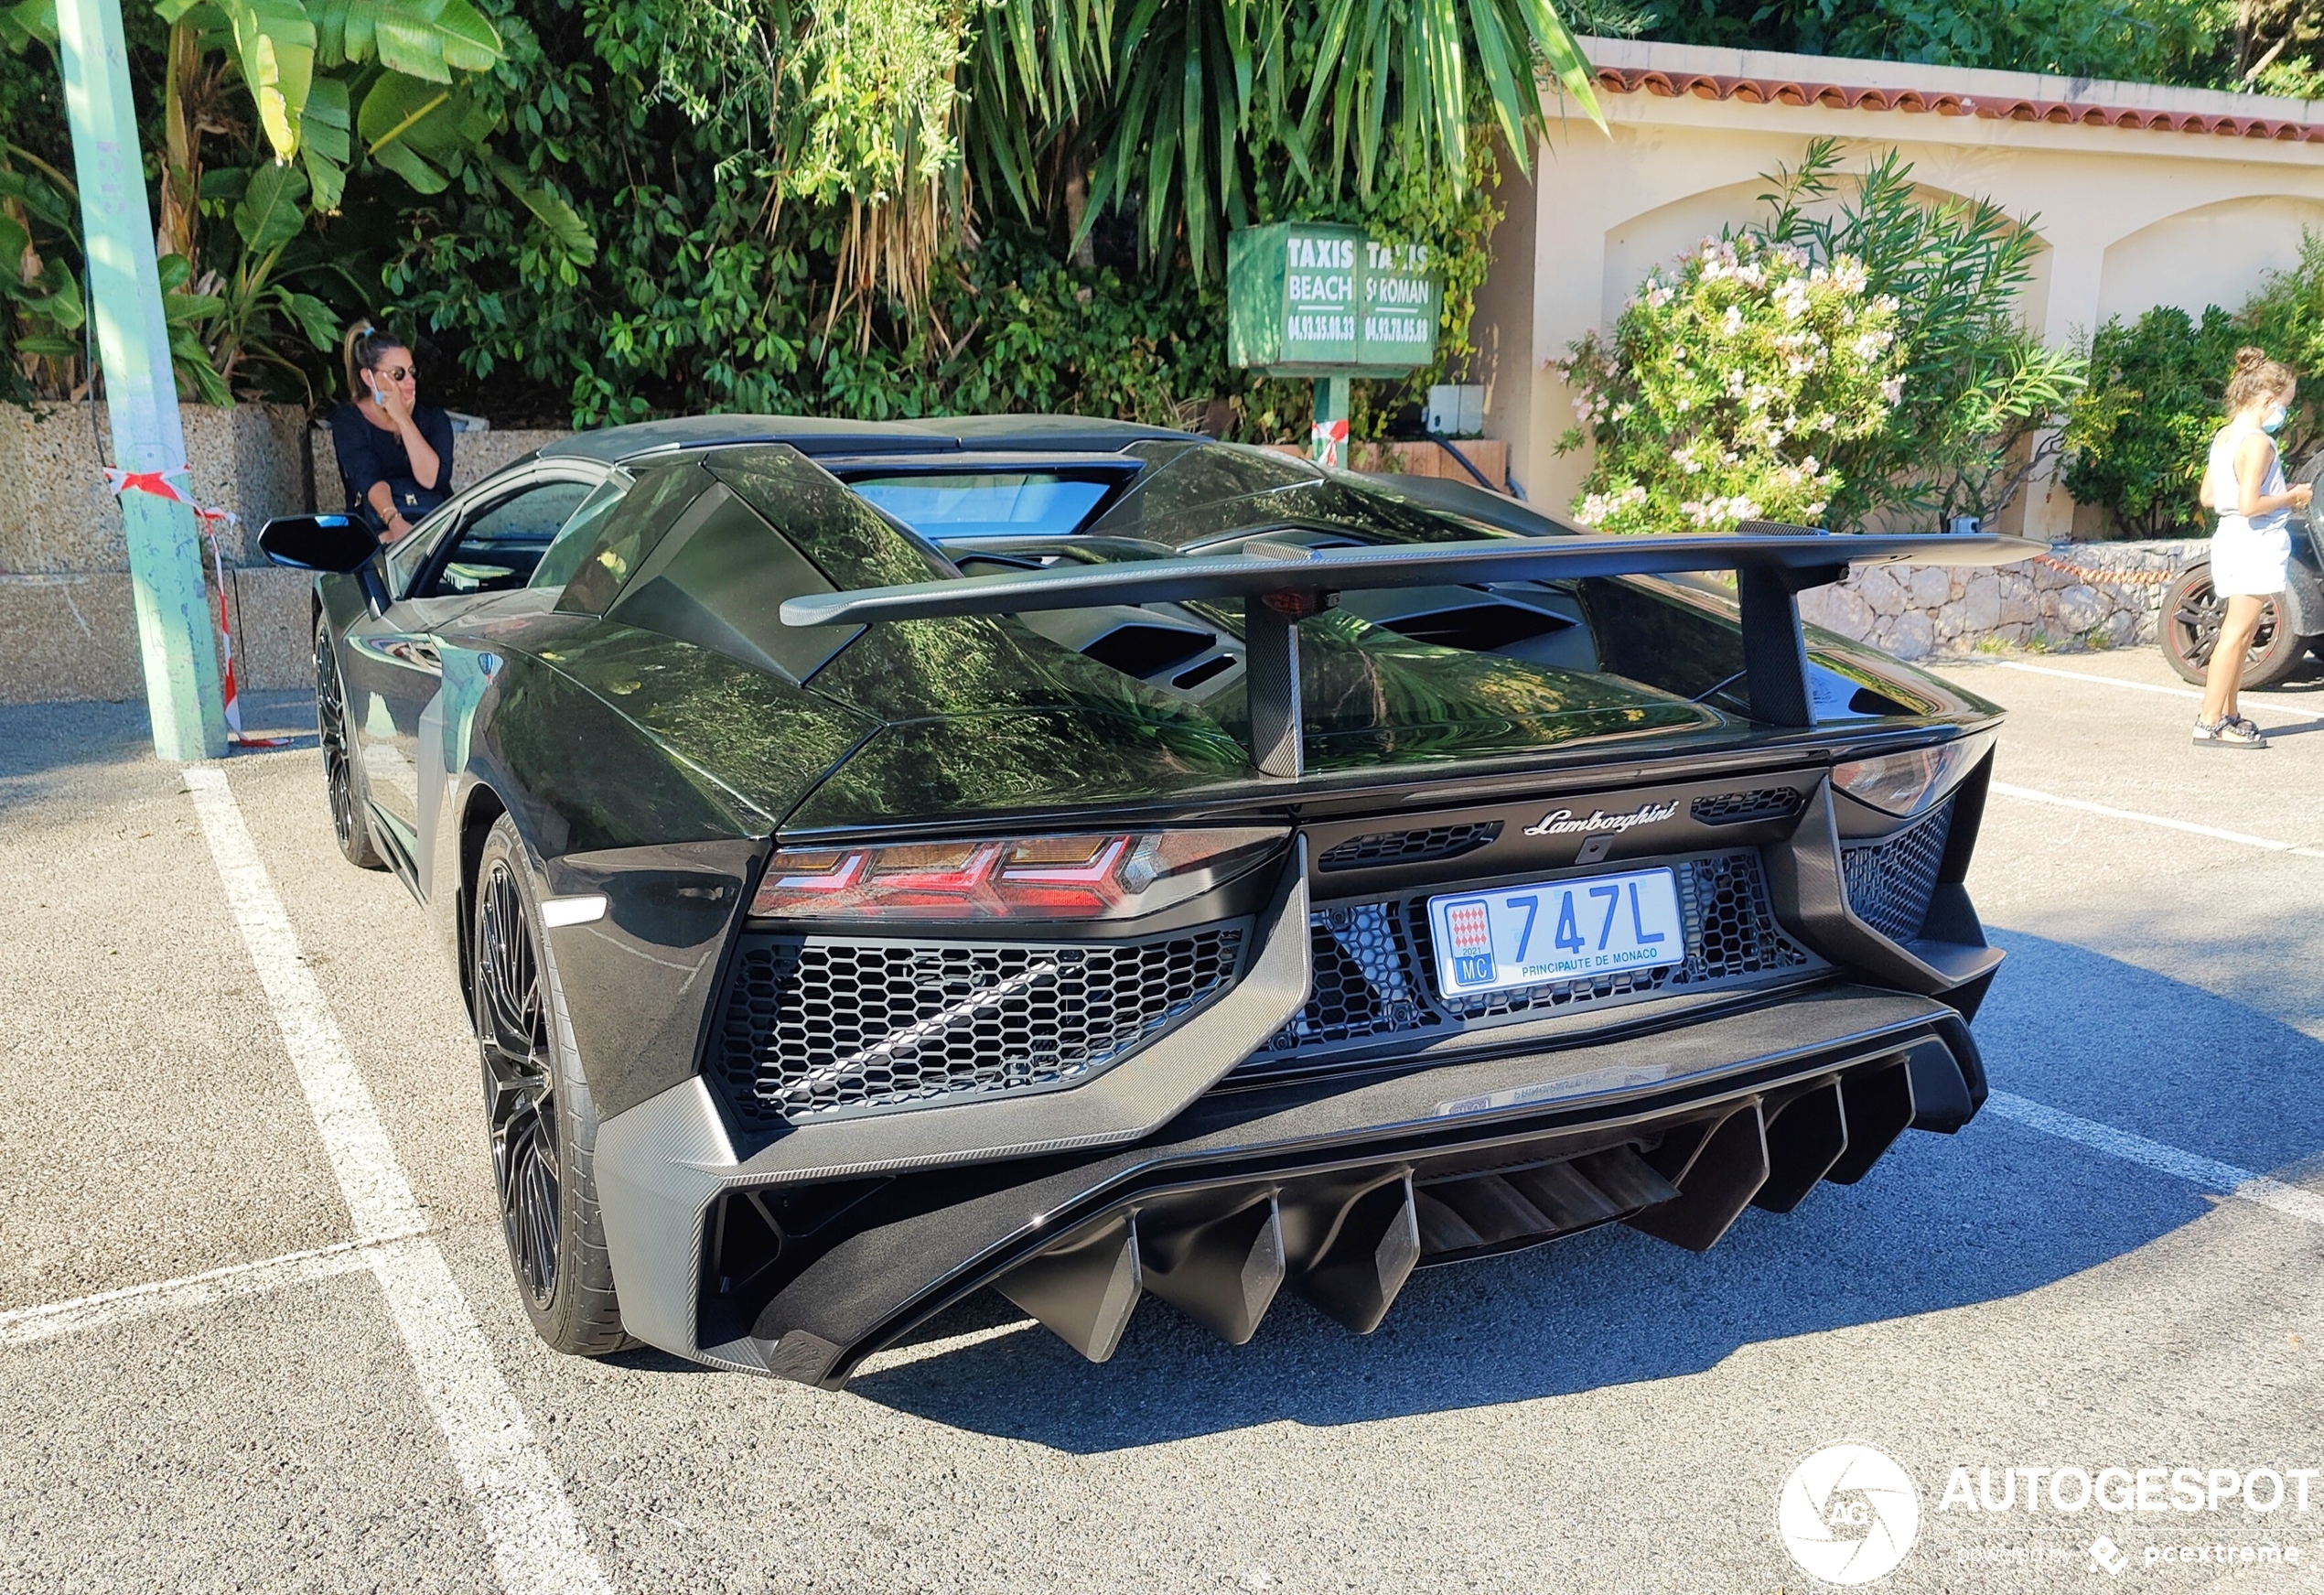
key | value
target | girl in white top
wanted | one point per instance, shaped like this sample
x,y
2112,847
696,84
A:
x,y
2245,483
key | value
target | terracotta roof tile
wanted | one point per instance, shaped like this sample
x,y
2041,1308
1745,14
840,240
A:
x,y
1845,97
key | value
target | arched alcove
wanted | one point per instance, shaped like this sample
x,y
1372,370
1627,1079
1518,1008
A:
x,y
1652,237
2211,254
1635,246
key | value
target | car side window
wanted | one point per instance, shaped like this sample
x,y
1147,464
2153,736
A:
x,y
625,538
498,546
407,557
572,538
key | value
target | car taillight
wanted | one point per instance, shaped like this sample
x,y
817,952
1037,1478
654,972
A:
x,y
1100,877
1905,783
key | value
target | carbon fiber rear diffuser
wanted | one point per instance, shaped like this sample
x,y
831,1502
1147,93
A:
x,y
1347,1242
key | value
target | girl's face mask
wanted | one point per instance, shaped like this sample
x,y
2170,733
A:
x,y
2273,418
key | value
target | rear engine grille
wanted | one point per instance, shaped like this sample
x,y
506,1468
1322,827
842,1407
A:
x,y
812,1029
1375,968
1409,847
1890,881
1741,808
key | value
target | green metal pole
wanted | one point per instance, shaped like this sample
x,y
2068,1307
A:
x,y
173,635
1329,445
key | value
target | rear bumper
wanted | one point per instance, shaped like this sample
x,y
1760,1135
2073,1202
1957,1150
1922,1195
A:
x,y
1334,1188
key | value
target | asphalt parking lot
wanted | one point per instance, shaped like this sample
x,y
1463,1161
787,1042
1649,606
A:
x,y
257,1330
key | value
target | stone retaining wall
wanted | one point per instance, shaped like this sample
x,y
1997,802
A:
x,y
2101,594
68,626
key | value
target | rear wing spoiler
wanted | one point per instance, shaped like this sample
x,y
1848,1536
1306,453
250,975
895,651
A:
x,y
1279,582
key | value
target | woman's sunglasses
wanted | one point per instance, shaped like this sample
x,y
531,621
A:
x,y
396,373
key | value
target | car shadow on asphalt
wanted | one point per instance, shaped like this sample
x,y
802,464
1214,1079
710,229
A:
x,y
1941,1223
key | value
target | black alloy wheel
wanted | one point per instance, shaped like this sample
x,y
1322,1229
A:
x,y
2192,615
538,1113
341,779
520,1080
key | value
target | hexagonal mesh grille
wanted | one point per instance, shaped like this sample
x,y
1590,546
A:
x,y
1409,847
1890,881
1740,808
812,1029
1375,968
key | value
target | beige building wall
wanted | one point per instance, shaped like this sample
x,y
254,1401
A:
x,y
2193,213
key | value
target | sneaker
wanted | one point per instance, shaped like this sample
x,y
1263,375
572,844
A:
x,y
2233,731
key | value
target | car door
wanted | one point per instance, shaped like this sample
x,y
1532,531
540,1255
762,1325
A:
x,y
491,545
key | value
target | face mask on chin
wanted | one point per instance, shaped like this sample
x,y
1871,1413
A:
x,y
2272,419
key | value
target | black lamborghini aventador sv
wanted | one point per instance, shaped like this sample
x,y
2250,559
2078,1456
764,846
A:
x,y
1096,862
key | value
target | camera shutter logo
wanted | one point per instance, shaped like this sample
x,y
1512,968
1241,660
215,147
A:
x,y
1848,1514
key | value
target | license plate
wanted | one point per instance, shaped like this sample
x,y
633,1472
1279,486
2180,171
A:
x,y
1559,930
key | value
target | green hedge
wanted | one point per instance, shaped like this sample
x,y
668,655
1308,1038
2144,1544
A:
x,y
2137,438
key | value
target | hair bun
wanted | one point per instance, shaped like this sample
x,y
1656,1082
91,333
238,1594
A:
x,y
2249,359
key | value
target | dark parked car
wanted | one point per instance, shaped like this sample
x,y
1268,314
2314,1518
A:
x,y
2291,624
1095,862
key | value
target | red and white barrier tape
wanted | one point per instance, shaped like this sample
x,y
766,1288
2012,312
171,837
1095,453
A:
x,y
2141,578
158,483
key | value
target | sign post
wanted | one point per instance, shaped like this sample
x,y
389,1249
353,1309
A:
x,y
174,637
1322,301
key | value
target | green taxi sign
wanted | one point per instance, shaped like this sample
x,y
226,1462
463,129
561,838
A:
x,y
1313,300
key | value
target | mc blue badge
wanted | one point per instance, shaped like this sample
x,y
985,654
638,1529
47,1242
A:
x,y
1558,930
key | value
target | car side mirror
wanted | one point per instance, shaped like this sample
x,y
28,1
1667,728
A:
x,y
338,544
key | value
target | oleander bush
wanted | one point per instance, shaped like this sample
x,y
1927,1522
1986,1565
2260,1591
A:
x,y
1851,358
1731,381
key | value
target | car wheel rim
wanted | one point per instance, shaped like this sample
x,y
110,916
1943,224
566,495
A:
x,y
2196,622
330,726
519,1086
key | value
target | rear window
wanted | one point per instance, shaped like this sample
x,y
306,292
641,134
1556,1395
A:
x,y
941,507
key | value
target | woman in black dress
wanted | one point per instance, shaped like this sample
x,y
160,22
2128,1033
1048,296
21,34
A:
x,y
394,453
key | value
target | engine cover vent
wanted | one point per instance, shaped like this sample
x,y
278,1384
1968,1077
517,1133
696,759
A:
x,y
1743,808
1436,842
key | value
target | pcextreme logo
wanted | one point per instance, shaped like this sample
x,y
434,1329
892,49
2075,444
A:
x,y
1848,1514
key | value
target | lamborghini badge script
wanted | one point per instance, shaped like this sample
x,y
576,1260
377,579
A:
x,y
1563,823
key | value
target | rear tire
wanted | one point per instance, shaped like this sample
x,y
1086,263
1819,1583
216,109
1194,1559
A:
x,y
342,771
2192,614
542,1120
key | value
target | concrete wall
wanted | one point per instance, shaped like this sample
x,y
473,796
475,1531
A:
x,y
56,514
68,626
2129,217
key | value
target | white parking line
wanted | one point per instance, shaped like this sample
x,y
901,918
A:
x,y
2269,844
26,1324
2277,705
536,1543
2212,1175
